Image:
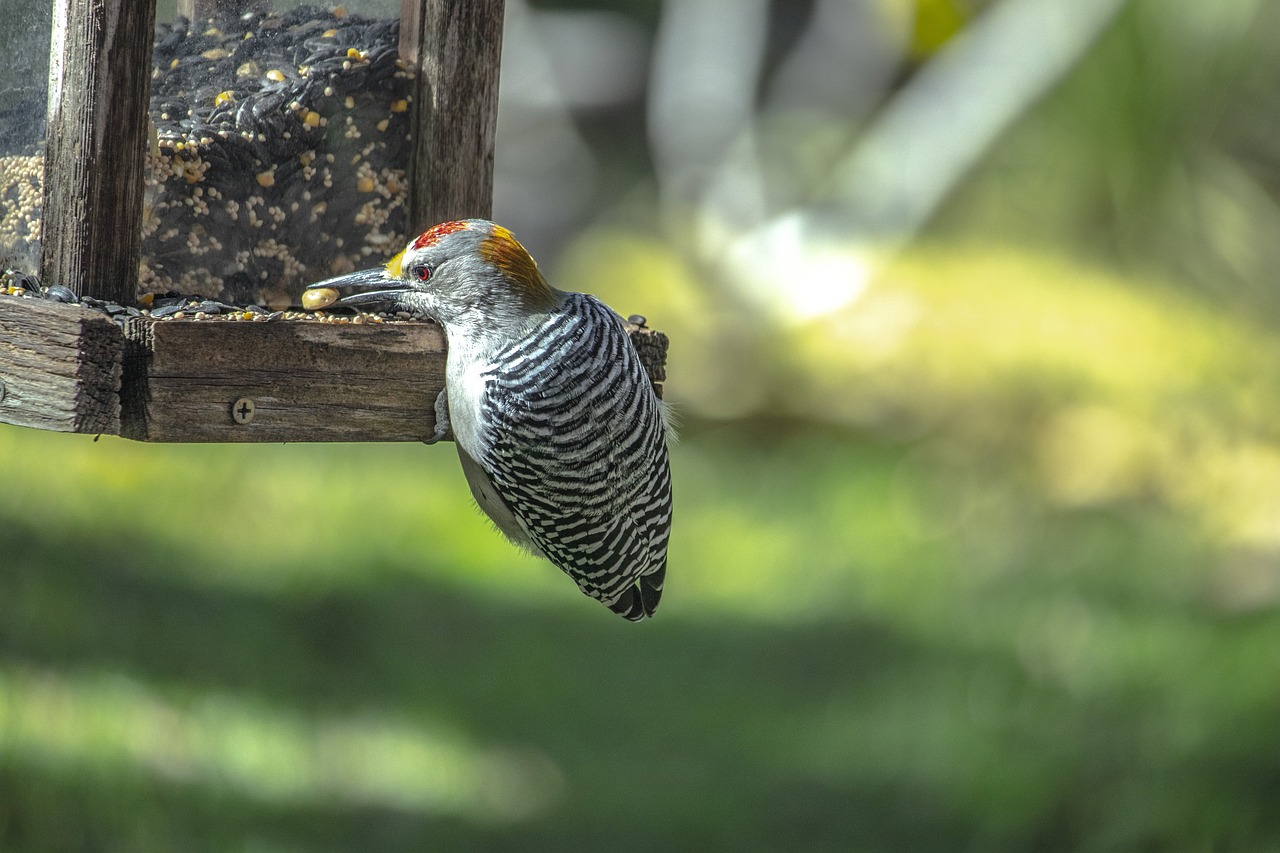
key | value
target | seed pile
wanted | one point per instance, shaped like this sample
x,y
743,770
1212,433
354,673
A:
x,y
278,156
20,208
176,306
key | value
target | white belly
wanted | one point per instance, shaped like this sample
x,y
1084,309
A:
x,y
466,387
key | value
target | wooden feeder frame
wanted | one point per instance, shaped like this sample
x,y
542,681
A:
x,y
71,369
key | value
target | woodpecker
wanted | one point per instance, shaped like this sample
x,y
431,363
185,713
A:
x,y
560,434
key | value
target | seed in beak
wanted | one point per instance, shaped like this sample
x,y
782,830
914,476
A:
x,y
321,297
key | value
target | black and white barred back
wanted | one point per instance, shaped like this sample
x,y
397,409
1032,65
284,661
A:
x,y
576,449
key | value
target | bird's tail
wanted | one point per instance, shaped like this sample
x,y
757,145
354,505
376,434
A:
x,y
642,597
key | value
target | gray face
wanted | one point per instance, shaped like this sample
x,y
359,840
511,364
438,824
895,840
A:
x,y
456,278
449,278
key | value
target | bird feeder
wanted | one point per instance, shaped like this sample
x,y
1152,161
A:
x,y
236,150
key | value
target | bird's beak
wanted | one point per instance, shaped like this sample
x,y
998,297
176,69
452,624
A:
x,y
366,287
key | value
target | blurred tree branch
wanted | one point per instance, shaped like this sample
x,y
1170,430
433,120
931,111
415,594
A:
x,y
718,157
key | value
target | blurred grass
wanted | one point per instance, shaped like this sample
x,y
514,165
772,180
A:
x,y
1016,588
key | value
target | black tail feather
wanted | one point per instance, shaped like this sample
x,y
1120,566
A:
x,y
629,605
641,599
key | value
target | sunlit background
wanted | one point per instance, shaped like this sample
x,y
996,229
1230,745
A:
x,y
972,311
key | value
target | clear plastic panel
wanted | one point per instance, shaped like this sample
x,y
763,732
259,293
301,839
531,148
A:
x,y
24,84
279,151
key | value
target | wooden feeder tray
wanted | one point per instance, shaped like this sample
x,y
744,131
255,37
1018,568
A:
x,y
69,368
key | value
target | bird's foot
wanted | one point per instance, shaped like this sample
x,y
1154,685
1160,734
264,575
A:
x,y
444,430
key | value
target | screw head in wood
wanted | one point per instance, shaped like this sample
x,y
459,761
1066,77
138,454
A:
x,y
242,411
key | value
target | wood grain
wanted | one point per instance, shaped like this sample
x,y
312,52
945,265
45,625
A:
x,y
651,345
456,46
60,367
99,85
71,369
308,381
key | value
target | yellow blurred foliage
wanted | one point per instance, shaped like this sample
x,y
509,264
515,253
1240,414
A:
x,y
936,22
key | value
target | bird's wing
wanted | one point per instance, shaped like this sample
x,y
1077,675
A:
x,y
576,450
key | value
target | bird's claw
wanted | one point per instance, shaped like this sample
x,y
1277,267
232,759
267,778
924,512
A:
x,y
444,430
439,435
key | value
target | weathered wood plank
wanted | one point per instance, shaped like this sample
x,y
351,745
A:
x,y
70,369
651,345
99,84
60,367
457,47
306,381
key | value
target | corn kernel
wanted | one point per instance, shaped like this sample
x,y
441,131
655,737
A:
x,y
314,300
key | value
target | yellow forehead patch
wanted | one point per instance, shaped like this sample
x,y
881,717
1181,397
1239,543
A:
x,y
393,265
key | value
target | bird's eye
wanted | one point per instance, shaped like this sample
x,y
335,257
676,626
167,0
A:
x,y
422,272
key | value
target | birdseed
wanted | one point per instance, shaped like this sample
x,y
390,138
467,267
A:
x,y
176,306
250,117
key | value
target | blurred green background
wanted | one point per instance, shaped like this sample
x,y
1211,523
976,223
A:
x,y
977,540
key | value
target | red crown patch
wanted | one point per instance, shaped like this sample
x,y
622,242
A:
x,y
435,232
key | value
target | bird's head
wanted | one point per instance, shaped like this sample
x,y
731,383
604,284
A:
x,y
470,275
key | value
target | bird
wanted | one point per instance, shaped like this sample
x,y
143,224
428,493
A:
x,y
559,432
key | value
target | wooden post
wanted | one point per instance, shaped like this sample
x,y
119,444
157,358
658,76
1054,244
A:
x,y
99,85
60,367
456,45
